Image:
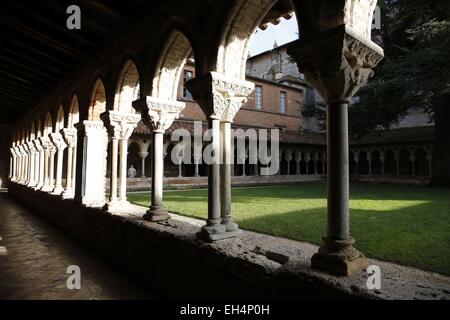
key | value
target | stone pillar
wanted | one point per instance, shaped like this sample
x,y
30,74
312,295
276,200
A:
x,y
46,145
220,98
143,155
60,146
337,63
22,164
70,138
315,159
90,180
32,162
307,158
120,126
40,164
51,170
382,160
298,159
369,160
197,158
158,115
12,168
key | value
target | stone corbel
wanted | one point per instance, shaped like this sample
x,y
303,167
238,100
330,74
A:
x,y
58,141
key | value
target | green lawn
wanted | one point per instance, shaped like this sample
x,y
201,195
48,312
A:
x,y
403,224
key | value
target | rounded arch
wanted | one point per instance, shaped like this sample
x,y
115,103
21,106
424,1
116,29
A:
x,y
234,46
97,103
174,55
74,112
48,124
59,124
128,87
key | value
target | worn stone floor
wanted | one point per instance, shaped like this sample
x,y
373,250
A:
x,y
38,256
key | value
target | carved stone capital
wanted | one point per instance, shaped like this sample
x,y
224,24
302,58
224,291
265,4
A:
x,y
88,127
31,148
219,96
58,141
337,62
158,114
120,124
69,136
38,145
13,152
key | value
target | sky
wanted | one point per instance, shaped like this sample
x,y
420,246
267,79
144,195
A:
x,y
285,31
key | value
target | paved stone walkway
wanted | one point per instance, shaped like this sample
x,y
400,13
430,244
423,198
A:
x,y
38,256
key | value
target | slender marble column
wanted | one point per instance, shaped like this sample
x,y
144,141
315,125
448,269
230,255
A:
x,y
32,162
51,174
220,97
158,115
325,60
14,164
60,146
70,138
40,168
143,155
120,126
46,144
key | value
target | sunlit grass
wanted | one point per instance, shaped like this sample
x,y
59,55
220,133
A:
x,y
408,225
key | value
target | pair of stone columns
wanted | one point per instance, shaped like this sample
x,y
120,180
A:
x,y
220,98
158,115
337,63
121,126
70,138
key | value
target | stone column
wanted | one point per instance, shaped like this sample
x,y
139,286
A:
x,y
46,144
32,162
220,98
60,146
307,158
298,159
51,170
70,138
197,158
158,115
22,164
40,164
337,63
121,126
90,179
12,167
143,155
18,163
382,160
369,160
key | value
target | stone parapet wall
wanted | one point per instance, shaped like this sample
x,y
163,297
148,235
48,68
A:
x,y
169,258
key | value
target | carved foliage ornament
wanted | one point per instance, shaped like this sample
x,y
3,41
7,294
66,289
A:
x,y
159,114
337,65
121,124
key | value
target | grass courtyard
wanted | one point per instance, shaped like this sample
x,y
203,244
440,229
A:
x,y
403,224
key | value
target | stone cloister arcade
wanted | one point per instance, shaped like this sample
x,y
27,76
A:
x,y
71,132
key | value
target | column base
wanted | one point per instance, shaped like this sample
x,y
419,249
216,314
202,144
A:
x,y
38,187
217,232
47,188
339,257
58,191
157,213
117,206
68,194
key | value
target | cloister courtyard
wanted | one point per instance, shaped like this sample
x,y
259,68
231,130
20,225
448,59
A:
x,y
403,224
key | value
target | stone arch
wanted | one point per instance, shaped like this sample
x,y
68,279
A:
x,y
174,55
59,124
128,87
74,112
97,104
234,47
38,128
48,124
